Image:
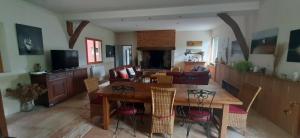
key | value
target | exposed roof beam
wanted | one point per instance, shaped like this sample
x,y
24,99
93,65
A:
x,y
198,9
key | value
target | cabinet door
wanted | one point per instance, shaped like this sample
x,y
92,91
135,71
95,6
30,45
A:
x,y
57,90
70,83
79,76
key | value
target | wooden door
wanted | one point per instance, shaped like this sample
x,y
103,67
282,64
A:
x,y
58,90
3,127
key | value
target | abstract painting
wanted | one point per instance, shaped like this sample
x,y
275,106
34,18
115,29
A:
x,y
110,51
30,40
294,47
264,42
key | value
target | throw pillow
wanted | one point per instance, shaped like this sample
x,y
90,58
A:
x,y
123,74
131,72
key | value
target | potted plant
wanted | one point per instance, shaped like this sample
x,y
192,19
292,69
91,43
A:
x,y
243,66
26,94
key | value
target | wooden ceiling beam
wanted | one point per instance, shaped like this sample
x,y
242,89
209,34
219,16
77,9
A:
x,y
75,34
237,32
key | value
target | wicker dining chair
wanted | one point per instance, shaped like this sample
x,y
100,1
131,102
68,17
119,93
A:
x,y
92,85
175,69
162,110
153,77
201,112
238,114
164,79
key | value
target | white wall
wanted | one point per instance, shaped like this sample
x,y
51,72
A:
x,y
225,37
107,37
54,37
129,38
282,14
181,44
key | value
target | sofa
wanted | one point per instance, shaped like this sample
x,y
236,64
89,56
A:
x,y
197,76
193,77
124,73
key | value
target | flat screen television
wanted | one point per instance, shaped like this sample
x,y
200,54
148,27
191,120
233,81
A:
x,y
64,59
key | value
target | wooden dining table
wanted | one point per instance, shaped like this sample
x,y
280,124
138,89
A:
x,y
142,94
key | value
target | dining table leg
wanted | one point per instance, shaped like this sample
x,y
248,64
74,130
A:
x,y
105,112
224,124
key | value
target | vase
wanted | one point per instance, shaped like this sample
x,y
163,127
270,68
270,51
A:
x,y
27,106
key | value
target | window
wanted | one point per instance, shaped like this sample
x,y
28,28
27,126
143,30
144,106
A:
x,y
93,51
214,51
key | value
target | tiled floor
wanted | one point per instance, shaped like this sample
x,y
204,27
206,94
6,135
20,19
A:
x,y
71,119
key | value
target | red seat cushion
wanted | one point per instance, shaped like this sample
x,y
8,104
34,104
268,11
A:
x,y
123,74
236,109
127,111
199,116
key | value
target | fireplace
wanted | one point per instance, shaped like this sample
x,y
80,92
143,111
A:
x,y
156,59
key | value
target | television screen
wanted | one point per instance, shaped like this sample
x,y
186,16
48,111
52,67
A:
x,y
64,59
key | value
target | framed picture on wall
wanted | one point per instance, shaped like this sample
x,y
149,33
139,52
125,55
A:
x,y
110,51
294,47
264,42
30,40
194,43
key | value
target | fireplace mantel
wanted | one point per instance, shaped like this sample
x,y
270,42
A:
x,y
156,40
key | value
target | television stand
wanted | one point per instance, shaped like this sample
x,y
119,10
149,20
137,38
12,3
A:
x,y
60,85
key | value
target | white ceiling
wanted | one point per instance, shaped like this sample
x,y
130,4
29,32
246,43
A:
x,y
134,15
179,23
78,6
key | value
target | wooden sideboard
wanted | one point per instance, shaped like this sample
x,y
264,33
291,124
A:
x,y
3,127
60,85
278,101
188,66
156,39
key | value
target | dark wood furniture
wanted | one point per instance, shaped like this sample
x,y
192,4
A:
x,y
142,94
3,127
278,101
157,39
1,64
60,85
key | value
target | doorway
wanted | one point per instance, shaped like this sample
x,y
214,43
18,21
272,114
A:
x,y
123,55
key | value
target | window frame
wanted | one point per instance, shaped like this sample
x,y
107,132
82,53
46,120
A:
x,y
86,48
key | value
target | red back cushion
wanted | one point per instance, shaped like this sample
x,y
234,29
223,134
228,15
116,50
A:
x,y
123,74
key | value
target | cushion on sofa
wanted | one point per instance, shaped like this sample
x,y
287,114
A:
x,y
131,72
123,74
200,69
